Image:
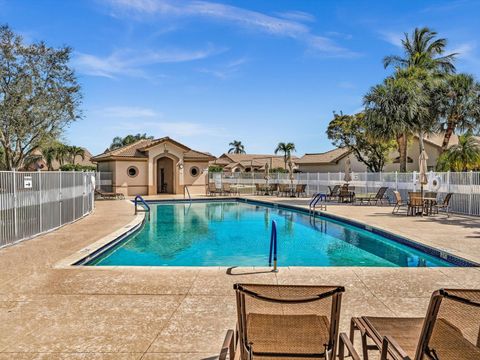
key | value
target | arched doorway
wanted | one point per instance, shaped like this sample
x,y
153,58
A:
x,y
165,175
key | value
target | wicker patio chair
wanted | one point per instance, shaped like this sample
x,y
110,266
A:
x,y
444,205
370,199
212,189
228,190
284,190
333,192
105,195
399,203
346,194
415,204
450,330
286,321
300,189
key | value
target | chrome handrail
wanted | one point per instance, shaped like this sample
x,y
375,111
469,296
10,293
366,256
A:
x,y
273,247
140,199
313,203
185,189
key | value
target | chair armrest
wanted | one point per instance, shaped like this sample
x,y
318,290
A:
x,y
345,342
389,345
228,346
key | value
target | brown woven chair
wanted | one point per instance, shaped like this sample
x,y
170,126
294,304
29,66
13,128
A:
x,y
415,203
370,199
399,203
212,189
285,321
444,205
105,195
227,189
300,190
333,192
450,330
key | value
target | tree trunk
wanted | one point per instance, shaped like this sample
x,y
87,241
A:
x,y
402,150
448,133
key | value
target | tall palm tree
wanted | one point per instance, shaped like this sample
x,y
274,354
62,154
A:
x,y
236,147
393,110
62,153
286,149
423,49
76,151
463,156
49,154
459,104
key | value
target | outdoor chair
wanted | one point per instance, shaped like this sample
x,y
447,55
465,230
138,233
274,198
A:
x,y
449,331
212,190
399,203
228,190
285,321
333,192
284,190
300,190
346,194
105,195
370,199
415,204
444,205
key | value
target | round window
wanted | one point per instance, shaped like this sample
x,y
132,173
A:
x,y
132,171
194,171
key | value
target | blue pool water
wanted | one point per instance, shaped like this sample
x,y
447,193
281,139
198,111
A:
x,y
234,233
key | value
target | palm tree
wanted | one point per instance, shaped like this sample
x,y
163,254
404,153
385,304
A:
x,y
49,154
76,151
62,153
236,147
459,103
119,141
463,156
395,110
286,149
423,49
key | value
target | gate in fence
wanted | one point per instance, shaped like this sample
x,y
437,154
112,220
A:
x,y
32,203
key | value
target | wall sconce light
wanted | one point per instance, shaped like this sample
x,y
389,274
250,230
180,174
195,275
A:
x,y
180,166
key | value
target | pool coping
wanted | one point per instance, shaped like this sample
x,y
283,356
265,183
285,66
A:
x,y
85,255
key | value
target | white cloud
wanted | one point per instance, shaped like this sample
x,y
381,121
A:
x,y
129,62
227,70
393,38
297,16
253,20
464,50
127,112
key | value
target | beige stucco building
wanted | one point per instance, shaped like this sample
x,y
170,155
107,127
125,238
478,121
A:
x,y
150,167
334,160
250,162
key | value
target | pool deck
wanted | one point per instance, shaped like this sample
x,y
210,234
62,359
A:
x,y
48,312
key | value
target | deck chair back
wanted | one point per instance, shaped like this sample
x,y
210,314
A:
x,y
288,320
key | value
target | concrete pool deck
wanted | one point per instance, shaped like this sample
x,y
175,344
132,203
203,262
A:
x,y
183,313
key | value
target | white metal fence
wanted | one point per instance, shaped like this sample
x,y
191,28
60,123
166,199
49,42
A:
x,y
464,185
103,181
35,202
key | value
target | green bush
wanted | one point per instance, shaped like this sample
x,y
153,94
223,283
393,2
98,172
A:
x,y
215,168
77,167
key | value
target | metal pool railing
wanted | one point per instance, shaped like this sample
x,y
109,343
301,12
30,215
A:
x,y
273,247
32,203
139,199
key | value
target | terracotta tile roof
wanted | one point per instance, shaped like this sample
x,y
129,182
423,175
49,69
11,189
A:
x,y
328,157
139,148
249,157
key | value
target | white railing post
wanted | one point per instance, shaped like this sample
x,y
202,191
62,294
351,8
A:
x,y
470,195
15,222
73,193
448,181
414,183
396,180
60,194
40,215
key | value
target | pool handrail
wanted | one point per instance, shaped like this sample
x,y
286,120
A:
x,y
185,190
140,199
273,247
314,201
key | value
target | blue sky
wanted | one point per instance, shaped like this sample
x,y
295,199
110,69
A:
x,y
206,73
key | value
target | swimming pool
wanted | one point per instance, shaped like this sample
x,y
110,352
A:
x,y
236,233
